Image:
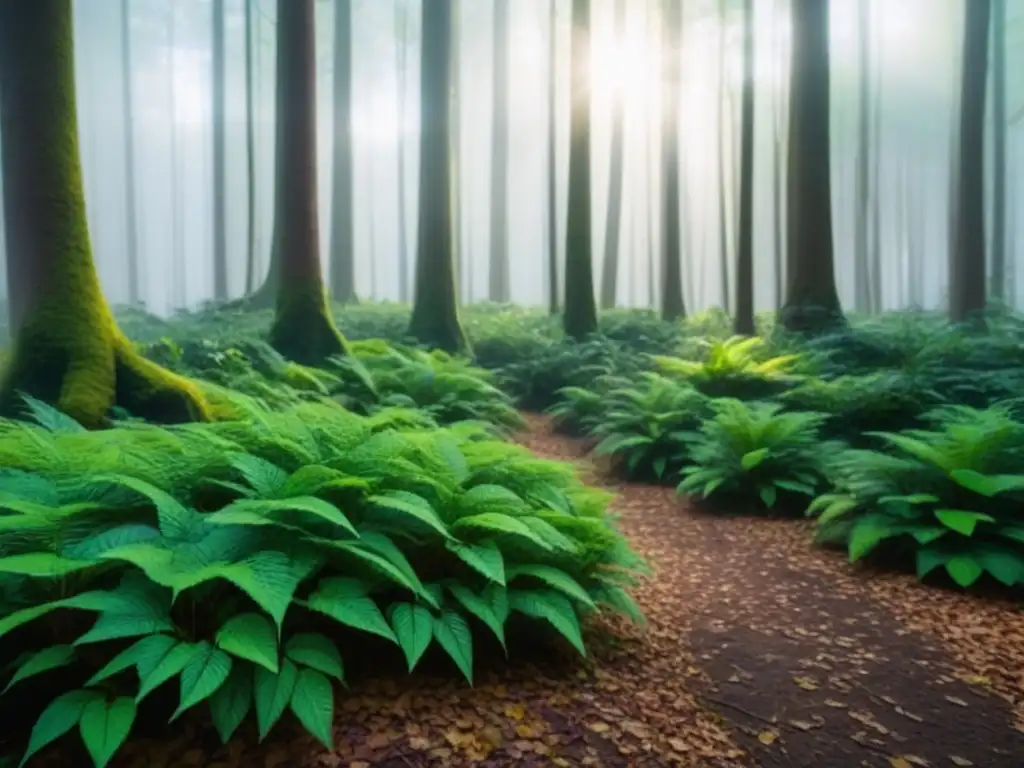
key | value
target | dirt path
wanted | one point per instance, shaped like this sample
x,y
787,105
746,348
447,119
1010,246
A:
x,y
760,651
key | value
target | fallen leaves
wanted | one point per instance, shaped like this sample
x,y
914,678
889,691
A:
x,y
768,737
806,683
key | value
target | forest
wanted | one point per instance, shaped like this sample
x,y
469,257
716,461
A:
x,y
541,383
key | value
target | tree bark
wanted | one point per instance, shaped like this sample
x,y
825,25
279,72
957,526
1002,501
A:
x,y
812,301
672,305
130,206
435,315
967,262
303,330
744,319
613,218
580,316
498,274
220,230
342,257
68,350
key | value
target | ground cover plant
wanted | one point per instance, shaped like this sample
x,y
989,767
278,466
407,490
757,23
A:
x,y
230,559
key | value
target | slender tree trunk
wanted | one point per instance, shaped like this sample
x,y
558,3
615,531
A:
x,y
613,218
401,53
862,278
915,238
177,261
435,315
303,329
875,270
552,162
342,261
778,189
250,156
967,262
672,305
812,301
580,317
744,320
220,230
999,149
723,210
498,274
130,210
67,348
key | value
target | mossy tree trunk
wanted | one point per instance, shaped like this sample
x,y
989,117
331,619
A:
x,y
498,275
435,314
743,321
672,305
343,263
303,330
67,348
967,260
812,301
580,316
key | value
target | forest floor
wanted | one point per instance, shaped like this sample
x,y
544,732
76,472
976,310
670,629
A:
x,y
761,650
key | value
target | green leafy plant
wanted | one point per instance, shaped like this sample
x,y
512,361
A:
x,y
734,367
231,560
755,452
947,498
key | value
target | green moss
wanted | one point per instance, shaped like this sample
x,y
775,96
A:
x,y
303,330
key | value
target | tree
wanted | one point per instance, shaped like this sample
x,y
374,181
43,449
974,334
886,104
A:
x,y
220,227
744,319
67,349
250,153
580,316
723,211
967,260
672,305
343,265
130,214
435,313
303,330
862,278
613,218
552,201
999,163
498,275
812,301
401,56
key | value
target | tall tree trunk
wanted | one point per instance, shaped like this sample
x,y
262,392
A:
x,y
580,316
862,278
67,348
130,210
723,211
875,267
999,149
672,305
178,290
342,261
220,228
967,262
812,301
552,179
303,329
435,314
778,189
401,54
250,155
498,275
613,218
744,320
915,238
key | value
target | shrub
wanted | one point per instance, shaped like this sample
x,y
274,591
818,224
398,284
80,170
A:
x,y
753,452
733,368
234,559
946,497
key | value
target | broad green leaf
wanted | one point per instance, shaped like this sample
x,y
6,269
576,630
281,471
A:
x,y
554,538
312,702
54,657
768,495
620,601
205,672
136,607
485,558
174,518
453,634
413,509
364,555
43,565
987,485
964,569
250,636
121,536
753,459
231,702
345,600
1004,564
552,607
389,551
496,523
413,625
105,726
175,660
794,487
316,651
928,559
481,607
144,654
913,499
553,577
868,532
962,521
249,511
60,716
272,694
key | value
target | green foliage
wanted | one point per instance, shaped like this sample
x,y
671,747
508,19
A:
x,y
231,560
755,453
946,498
735,367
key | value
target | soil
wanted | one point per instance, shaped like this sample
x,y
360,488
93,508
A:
x,y
760,650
